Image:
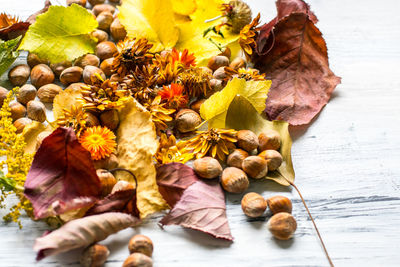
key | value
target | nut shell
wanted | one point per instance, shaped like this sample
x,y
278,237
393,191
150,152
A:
x,y
255,166
19,74
88,71
97,9
100,35
117,30
106,50
94,256
41,75
238,63
274,159
106,66
36,111
34,60
92,120
58,68
217,61
3,95
187,120
278,204
107,181
235,159
17,110
122,186
104,19
78,2
282,225
253,205
71,75
269,140
247,140
87,60
220,73
48,92
234,180
21,123
110,119
207,167
196,105
96,2
138,260
141,244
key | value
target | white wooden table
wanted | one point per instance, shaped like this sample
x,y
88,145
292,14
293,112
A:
x,y
347,164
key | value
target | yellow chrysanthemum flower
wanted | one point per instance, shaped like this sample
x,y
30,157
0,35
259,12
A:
x,y
99,141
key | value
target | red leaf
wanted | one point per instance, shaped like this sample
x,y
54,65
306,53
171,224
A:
x,y
62,176
173,179
298,66
201,207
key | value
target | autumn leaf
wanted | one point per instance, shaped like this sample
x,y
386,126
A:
x,y
151,19
30,133
62,176
82,232
137,144
11,27
65,100
184,7
215,109
201,207
54,37
7,53
251,120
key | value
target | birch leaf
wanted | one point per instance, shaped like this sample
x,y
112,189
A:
x,y
55,36
8,53
137,144
215,109
250,119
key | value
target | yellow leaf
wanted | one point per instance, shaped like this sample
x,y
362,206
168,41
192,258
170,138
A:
x,y
65,100
30,133
184,7
242,115
151,19
137,144
215,109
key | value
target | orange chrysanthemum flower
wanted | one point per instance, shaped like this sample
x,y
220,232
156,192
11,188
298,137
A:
x,y
174,96
247,37
183,58
99,141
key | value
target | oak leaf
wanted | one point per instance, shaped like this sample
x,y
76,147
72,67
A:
x,y
7,53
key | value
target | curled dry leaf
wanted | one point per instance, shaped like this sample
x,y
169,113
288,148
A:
x,y
201,207
11,27
251,120
30,134
82,232
62,176
137,144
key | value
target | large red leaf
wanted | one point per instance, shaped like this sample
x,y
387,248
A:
x,y
62,176
201,207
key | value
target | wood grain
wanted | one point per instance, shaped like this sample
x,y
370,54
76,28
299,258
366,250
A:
x,y
346,162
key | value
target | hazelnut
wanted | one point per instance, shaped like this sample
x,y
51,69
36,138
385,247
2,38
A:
x,y
226,51
17,110
87,60
247,140
41,137
107,66
282,225
255,166
48,92
3,95
26,93
216,85
274,159
253,205
207,167
196,105
220,73
88,71
235,159
78,2
122,186
117,30
269,140
34,60
114,1
238,63
71,75
105,50
234,180
108,163
21,123
97,9
58,68
36,111
186,120
96,2
110,119
94,256
100,35
138,260
115,78
92,120
75,87
107,181
41,75
217,61
141,244
279,204
19,74
104,19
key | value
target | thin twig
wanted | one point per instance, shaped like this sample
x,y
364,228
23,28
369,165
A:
x,y
128,171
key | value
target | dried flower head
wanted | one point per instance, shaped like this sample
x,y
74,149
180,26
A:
x,y
7,20
247,74
167,70
183,58
236,14
196,81
159,114
99,141
168,151
247,37
74,117
173,96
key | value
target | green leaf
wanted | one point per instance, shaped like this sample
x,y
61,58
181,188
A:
x,y
61,34
242,115
8,53
6,184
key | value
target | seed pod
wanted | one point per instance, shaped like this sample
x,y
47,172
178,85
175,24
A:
x,y
36,111
48,92
255,166
107,181
21,123
95,255
187,120
274,159
104,19
71,75
141,244
3,95
138,260
41,75
17,110
58,68
100,35
26,93
19,74
110,119
88,71
247,140
117,30
122,186
220,73
106,50
34,60
207,167
253,205
97,9
279,204
238,63
235,159
282,225
269,140
234,180
106,66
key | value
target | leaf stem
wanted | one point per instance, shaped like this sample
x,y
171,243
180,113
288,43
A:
x,y
128,171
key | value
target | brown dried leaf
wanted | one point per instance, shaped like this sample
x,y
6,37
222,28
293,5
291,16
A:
x,y
11,27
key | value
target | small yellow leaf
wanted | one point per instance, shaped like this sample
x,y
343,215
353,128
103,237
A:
x,y
65,100
184,7
30,133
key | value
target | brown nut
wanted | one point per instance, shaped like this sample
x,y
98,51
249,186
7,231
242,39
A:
x,y
41,137
110,119
48,92
196,105
235,159
253,205
114,1
107,181
88,71
274,159
96,2
94,255
41,75
217,61
17,110
282,225
238,63
234,180
107,66
87,60
122,186
278,204
21,123
26,93
36,111
92,120
247,140
105,50
3,95
207,167
255,166
58,68
226,51
141,244
187,120
78,2
216,85
117,30
75,87
19,74
220,74
108,163
100,35
138,260
71,75
97,9
269,140
104,19
34,60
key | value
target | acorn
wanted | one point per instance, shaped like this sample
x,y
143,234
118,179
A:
x,y
253,205
107,66
97,9
108,163
274,159
186,120
138,260
122,186
48,92
58,68
247,140
34,60
234,180
196,105
255,166
106,50
94,256
17,110
21,123
41,75
279,204
104,20
3,95
107,181
71,75
26,93
220,73
88,71
238,63
207,167
36,111
100,35
110,119
235,159
217,61
117,30
269,140
87,60
78,2
141,244
282,225
19,74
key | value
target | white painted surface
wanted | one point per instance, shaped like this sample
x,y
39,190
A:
x,y
347,164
